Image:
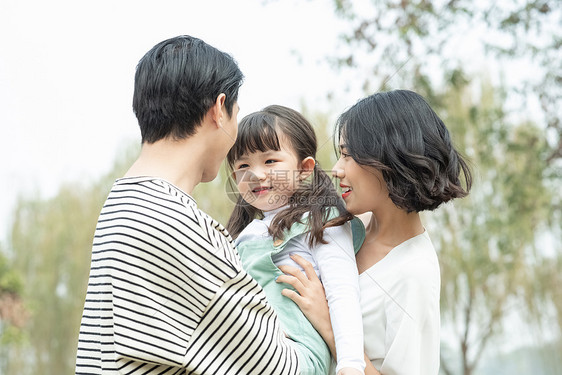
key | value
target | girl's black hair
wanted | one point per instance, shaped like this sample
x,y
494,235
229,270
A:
x,y
260,131
399,134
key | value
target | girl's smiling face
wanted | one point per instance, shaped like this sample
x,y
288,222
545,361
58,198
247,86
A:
x,y
266,180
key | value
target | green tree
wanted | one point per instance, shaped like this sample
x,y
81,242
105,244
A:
x,y
50,246
406,43
13,314
486,241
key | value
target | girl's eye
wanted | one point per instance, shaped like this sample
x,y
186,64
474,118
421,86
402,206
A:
x,y
269,161
242,166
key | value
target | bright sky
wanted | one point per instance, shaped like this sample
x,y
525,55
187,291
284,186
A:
x,y
67,68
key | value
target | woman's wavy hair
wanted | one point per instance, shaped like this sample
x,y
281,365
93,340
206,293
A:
x,y
260,131
399,134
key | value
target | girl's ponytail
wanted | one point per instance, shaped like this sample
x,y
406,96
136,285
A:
x,y
320,199
242,215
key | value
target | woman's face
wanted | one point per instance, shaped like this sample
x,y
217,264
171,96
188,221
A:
x,y
363,187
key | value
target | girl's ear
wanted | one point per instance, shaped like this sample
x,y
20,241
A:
x,y
307,166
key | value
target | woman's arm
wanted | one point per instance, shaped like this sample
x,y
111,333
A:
x,y
311,299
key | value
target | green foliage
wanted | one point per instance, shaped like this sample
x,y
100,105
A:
x,y
324,127
486,241
217,197
12,310
10,281
407,43
49,246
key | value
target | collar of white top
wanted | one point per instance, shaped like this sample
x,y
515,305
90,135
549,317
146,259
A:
x,y
269,215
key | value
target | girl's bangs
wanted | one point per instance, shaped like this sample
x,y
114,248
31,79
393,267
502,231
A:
x,y
256,132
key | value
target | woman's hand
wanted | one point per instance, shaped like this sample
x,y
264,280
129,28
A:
x,y
311,298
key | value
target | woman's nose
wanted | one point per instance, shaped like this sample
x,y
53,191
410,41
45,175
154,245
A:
x,y
337,172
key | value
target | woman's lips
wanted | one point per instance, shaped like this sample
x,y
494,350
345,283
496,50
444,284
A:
x,y
346,191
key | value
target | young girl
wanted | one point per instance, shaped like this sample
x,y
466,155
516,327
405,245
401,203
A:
x,y
396,160
288,205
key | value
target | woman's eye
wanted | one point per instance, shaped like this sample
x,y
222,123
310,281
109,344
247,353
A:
x,y
343,152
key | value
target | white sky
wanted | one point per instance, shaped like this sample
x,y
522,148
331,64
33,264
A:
x,y
67,68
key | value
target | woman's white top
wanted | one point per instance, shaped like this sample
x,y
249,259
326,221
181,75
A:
x,y
400,308
335,265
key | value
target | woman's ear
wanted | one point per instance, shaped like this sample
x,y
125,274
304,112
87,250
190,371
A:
x,y
307,166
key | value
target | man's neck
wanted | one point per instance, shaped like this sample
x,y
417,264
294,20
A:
x,y
176,161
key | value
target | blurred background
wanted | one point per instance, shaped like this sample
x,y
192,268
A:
x,y
491,70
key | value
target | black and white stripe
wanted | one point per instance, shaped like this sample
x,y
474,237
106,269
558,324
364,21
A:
x,y
167,294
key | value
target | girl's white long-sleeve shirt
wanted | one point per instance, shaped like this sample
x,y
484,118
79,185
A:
x,y
335,265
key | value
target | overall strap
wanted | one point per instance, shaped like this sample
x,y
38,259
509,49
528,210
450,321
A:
x,y
358,232
298,228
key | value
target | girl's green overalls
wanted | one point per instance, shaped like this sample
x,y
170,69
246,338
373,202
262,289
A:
x,y
314,355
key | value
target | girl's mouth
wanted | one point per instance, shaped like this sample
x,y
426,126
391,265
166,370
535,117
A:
x,y
261,190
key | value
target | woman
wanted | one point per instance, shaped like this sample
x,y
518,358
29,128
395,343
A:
x,y
396,160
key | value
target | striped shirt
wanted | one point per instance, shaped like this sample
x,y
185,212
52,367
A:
x,y
167,293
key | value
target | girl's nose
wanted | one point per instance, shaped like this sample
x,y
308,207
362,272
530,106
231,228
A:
x,y
259,174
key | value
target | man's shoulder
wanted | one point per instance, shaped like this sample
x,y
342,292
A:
x,y
151,196
152,188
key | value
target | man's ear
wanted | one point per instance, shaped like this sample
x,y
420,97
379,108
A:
x,y
217,110
307,166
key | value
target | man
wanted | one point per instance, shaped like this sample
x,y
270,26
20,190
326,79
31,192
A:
x,y
167,293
